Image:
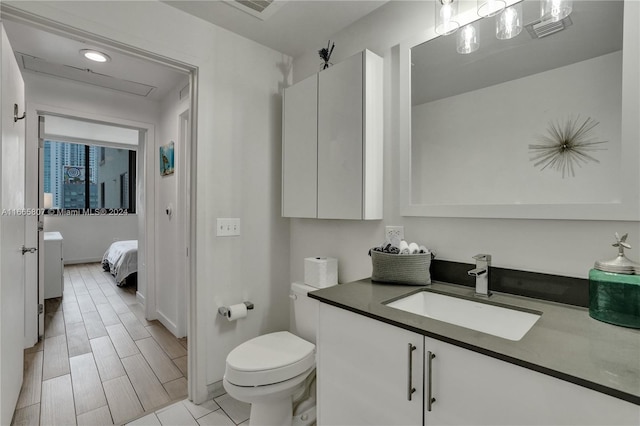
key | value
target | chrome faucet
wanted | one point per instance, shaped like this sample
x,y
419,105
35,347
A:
x,y
481,272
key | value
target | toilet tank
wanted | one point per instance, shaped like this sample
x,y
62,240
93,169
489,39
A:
x,y
303,312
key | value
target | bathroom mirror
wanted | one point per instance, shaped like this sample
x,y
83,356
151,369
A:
x,y
469,121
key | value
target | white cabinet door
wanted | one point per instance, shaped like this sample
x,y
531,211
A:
x,y
340,140
332,142
299,149
53,265
364,372
473,389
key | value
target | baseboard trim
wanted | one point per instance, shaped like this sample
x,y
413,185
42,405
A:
x,y
215,390
79,261
170,325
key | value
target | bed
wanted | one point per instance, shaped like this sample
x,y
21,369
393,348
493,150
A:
x,y
121,260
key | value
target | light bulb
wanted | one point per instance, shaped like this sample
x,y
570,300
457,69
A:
x,y
468,39
446,11
555,10
95,56
509,22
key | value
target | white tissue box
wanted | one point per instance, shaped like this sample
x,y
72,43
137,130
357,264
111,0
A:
x,y
320,272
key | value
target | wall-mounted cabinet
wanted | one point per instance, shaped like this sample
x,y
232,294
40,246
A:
x,y
332,142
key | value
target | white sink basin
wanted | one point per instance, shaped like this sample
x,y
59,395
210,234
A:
x,y
495,320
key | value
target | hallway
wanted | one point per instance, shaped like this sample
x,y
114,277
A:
x,y
100,361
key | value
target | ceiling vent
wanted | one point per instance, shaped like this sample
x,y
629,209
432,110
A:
x,y
261,9
41,66
542,28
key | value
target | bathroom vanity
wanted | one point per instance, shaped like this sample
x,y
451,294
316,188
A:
x,y
381,365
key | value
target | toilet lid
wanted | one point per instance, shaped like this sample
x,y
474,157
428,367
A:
x,y
268,359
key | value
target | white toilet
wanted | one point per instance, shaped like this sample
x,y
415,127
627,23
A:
x,y
275,372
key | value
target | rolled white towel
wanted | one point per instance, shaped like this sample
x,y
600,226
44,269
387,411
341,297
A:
x,y
404,247
413,248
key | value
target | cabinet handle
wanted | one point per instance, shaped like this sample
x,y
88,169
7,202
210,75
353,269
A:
x,y
410,388
430,398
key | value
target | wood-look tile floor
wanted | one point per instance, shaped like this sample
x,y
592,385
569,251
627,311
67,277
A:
x,y
100,362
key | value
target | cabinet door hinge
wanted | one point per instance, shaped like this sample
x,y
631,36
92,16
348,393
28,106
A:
x,y
40,308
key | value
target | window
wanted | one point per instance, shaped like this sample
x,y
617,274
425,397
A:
x,y
89,177
124,190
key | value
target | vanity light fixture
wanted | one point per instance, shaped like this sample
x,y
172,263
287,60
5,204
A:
x,y
468,41
487,8
95,55
445,14
509,22
555,10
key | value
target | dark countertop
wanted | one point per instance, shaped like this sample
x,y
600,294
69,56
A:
x,y
565,342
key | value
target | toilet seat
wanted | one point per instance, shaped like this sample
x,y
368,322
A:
x,y
269,359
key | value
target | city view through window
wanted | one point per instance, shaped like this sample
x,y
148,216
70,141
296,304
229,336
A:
x,y
78,176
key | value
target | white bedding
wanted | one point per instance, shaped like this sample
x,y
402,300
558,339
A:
x,y
122,259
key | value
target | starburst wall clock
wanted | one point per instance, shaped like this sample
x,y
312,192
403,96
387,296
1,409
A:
x,y
566,146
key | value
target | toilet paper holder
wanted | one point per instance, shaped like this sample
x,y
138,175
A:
x,y
224,310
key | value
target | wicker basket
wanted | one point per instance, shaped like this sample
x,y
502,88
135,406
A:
x,y
411,269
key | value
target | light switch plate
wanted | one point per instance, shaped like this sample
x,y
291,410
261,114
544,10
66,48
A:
x,y
227,227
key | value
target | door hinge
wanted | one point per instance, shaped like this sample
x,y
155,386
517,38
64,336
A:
x,y
40,308
40,226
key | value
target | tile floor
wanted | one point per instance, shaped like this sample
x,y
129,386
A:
x,y
100,361
221,411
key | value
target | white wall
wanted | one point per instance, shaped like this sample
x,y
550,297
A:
x,y
238,165
564,247
63,93
87,237
171,289
454,139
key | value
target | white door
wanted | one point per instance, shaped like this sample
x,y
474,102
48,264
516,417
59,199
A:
x,y
12,227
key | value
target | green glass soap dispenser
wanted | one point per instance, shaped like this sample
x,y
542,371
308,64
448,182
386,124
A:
x,y
614,289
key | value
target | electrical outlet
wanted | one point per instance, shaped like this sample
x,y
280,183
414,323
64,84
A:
x,y
393,235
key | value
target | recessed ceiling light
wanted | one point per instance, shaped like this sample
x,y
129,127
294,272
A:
x,y
94,55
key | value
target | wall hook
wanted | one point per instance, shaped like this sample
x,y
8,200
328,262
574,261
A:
x,y
15,114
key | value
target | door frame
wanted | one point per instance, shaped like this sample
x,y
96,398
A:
x,y
197,386
145,197
183,210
